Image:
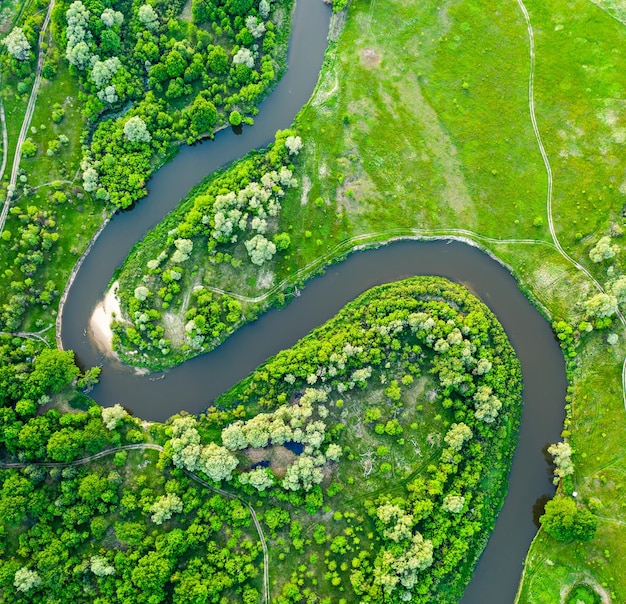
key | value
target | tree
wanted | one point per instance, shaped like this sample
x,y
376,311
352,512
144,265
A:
x,y
90,179
282,241
65,444
79,55
148,17
217,462
90,378
217,60
603,250
165,507
26,579
618,289
562,454
260,249
254,26
111,416
17,44
566,521
203,115
259,478
175,64
136,131
457,435
103,71
54,370
233,436
601,305
487,405
100,567
264,9
111,17
235,118
245,57
29,148
238,7
293,144
141,293
453,503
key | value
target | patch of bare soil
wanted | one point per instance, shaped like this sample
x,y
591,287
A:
x,y
281,459
370,58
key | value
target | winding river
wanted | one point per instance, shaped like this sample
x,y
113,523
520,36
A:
x,y
193,385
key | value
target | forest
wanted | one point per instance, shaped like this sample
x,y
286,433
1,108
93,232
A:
x,y
407,401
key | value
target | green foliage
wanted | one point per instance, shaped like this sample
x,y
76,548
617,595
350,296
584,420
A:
x,y
231,214
235,118
110,56
565,520
427,537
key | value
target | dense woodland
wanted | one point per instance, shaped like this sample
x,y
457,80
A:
x,y
407,402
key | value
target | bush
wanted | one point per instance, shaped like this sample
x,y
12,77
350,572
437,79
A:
x,y
235,118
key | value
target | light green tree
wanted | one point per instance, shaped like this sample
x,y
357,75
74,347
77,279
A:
x,y
562,454
112,416
26,579
17,44
100,567
148,17
603,250
136,131
457,435
217,462
165,507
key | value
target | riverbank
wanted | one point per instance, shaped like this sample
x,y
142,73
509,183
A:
x,y
107,311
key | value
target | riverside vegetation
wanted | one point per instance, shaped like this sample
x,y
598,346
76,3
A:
x,y
405,408
460,169
363,173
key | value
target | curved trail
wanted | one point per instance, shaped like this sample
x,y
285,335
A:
x,y
546,162
140,447
28,116
378,238
30,335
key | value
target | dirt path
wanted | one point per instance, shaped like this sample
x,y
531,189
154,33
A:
x,y
192,475
378,238
28,116
31,335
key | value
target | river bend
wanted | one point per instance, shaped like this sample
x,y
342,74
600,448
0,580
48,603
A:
x,y
193,385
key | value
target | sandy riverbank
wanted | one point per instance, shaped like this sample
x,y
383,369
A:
x,y
100,323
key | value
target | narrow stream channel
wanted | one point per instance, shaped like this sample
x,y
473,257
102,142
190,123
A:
x,y
193,385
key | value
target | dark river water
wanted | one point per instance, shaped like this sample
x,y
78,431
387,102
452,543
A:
x,y
193,385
